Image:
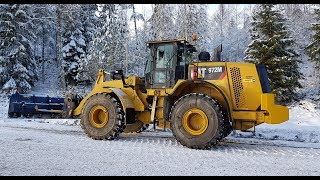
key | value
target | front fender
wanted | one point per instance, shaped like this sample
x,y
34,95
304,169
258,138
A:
x,y
123,97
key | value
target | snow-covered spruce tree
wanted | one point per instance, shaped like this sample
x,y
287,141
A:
x,y
90,24
119,32
236,35
161,22
193,19
109,51
135,17
313,50
74,45
95,55
271,46
137,53
137,46
17,64
44,29
89,21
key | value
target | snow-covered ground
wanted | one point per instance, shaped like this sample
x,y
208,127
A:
x,y
31,146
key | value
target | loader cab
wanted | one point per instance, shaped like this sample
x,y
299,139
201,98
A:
x,y
167,62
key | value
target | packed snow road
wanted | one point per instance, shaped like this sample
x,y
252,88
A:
x,y
33,148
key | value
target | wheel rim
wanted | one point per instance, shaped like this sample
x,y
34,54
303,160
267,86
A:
x,y
99,116
195,121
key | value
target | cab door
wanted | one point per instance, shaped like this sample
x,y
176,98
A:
x,y
163,66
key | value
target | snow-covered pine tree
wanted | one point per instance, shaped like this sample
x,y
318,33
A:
x,y
60,19
161,22
96,55
90,21
229,26
222,31
272,46
193,19
109,51
119,32
44,46
90,24
74,45
17,63
135,17
138,53
313,50
221,19
202,28
136,45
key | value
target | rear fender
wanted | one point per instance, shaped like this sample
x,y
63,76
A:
x,y
224,100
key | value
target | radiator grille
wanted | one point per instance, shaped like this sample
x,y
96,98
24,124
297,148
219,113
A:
x,y
237,86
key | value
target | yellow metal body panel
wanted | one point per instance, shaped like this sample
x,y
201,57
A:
x,y
249,115
222,84
125,99
275,113
270,113
241,86
95,90
138,97
144,116
161,92
244,120
245,86
127,95
160,109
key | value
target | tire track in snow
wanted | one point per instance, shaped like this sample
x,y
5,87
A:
x,y
159,140
222,147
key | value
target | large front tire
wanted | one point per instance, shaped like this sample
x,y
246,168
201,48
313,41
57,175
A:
x,y
197,121
102,117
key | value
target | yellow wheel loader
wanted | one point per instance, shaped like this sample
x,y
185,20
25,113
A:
x,y
200,100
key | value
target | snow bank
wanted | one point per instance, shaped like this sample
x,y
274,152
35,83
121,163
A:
x,y
303,126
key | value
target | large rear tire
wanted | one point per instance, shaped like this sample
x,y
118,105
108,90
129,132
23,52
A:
x,y
227,127
102,117
197,121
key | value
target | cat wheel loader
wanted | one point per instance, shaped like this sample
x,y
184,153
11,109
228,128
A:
x,y
200,100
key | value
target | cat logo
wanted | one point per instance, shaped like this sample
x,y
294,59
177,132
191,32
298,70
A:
x,y
212,72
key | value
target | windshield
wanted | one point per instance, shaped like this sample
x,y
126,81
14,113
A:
x,y
164,56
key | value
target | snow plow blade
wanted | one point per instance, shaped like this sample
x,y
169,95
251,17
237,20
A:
x,y
28,105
